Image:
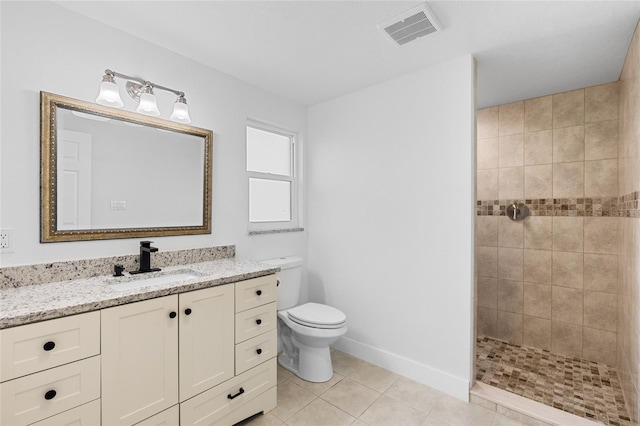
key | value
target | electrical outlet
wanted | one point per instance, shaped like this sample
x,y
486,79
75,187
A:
x,y
6,240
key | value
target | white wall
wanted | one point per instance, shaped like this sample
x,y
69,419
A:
x,y
391,195
46,47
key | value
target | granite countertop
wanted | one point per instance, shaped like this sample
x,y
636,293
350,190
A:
x,y
28,304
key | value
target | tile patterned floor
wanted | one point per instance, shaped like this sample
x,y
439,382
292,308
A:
x,y
361,393
581,387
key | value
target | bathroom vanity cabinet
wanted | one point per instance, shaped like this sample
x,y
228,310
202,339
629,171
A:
x,y
200,357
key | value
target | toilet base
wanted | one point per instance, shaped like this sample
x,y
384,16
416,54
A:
x,y
312,364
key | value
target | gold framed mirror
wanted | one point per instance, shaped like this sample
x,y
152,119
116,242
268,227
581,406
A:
x,y
107,173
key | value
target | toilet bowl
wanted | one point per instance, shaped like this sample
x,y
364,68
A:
x,y
305,331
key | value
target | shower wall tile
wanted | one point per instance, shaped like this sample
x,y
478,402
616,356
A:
x,y
487,321
601,102
538,114
600,272
597,344
537,332
538,147
487,153
568,144
568,234
510,233
600,178
566,339
511,118
487,184
600,310
488,292
487,123
568,269
601,140
538,233
487,231
537,266
509,327
510,264
567,305
510,296
487,261
511,183
568,180
537,300
568,109
537,181
600,235
511,150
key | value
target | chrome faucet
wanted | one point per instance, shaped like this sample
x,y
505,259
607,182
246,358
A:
x,y
145,258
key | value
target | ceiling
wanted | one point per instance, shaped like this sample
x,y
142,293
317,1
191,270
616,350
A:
x,y
311,51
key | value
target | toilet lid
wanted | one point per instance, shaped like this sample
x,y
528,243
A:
x,y
317,315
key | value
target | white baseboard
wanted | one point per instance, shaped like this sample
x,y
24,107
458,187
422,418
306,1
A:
x,y
445,382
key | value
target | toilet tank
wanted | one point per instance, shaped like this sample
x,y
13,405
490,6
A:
x,y
289,277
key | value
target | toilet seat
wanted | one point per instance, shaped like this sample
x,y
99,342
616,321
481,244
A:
x,y
317,315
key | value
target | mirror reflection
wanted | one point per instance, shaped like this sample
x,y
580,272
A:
x,y
116,174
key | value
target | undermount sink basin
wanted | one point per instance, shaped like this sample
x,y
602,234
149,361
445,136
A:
x,y
154,278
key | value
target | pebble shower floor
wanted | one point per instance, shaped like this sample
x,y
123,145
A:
x,y
577,386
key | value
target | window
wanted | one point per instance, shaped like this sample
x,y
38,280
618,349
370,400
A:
x,y
271,170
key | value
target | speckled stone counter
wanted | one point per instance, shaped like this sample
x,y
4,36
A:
x,y
26,304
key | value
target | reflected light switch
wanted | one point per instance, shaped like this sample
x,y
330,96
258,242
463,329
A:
x,y
118,205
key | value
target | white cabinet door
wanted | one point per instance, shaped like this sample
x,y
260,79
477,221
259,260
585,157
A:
x,y
139,360
206,339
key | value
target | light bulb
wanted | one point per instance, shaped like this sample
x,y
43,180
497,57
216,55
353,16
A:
x,y
180,112
148,104
109,94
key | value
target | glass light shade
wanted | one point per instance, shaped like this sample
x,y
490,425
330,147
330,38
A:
x,y
109,95
180,113
148,105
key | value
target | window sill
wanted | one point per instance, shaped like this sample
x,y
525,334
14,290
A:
x,y
275,231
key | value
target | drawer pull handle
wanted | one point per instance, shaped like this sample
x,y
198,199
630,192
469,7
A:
x,y
172,314
258,351
50,395
240,392
259,292
258,321
49,346
277,283
187,311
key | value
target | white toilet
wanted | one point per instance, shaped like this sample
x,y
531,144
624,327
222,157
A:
x,y
306,331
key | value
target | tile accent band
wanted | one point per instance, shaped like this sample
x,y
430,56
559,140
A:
x,y
623,206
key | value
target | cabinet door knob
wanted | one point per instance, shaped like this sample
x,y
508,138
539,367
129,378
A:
x,y
50,394
258,321
240,392
49,346
187,311
259,292
258,351
172,314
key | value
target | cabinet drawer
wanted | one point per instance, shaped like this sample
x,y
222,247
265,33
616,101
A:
x,y
23,400
84,415
255,321
35,347
255,351
209,407
168,417
255,292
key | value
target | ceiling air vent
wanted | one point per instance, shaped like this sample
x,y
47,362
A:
x,y
411,25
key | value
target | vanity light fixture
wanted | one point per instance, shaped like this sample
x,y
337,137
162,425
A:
x,y
142,91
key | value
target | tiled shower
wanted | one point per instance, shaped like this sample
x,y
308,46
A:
x,y
565,279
